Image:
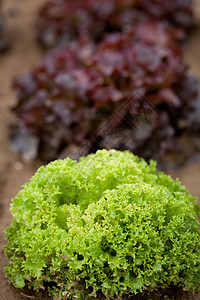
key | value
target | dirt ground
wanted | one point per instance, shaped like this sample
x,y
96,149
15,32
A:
x,y
23,55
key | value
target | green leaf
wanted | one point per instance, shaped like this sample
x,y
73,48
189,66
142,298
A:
x,y
109,222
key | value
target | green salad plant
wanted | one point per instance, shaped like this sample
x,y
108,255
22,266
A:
x,y
108,225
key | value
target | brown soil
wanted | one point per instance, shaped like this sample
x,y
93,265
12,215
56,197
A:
x,y
24,54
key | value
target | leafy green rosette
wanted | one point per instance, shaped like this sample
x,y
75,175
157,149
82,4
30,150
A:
x,y
109,224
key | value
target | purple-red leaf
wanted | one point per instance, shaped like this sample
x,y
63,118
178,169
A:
x,y
129,92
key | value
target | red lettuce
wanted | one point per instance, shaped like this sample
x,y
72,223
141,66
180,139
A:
x,y
60,22
132,91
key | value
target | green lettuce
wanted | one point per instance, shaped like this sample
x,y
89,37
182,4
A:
x,y
109,224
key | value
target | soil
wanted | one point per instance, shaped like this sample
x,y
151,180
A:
x,y
23,55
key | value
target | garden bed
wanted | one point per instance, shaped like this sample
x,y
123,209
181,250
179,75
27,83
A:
x,y
13,173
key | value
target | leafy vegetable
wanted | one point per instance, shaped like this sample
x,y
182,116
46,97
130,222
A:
x,y
107,225
59,22
132,91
